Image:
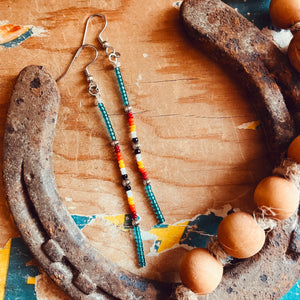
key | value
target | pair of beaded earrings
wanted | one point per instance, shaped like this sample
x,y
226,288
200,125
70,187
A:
x,y
94,90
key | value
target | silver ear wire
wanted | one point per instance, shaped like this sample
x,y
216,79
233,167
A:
x,y
112,54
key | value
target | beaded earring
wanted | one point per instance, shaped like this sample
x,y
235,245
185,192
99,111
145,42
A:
x,y
113,57
95,92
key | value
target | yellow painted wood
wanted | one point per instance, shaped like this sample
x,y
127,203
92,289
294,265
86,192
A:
x,y
4,263
169,236
31,280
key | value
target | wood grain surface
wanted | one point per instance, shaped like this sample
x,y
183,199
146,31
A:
x,y
193,120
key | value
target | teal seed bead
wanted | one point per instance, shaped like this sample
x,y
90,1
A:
x,y
159,216
107,121
139,246
121,86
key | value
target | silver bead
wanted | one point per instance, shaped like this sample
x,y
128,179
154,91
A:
x,y
137,221
104,44
127,108
98,100
115,143
90,78
136,146
126,182
147,182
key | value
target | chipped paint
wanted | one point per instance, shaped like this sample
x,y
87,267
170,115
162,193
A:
x,y
18,270
250,125
12,35
31,280
139,78
121,221
167,236
4,262
190,233
177,4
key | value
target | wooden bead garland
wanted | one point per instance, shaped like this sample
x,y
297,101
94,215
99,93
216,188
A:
x,y
240,234
201,271
293,151
285,14
279,197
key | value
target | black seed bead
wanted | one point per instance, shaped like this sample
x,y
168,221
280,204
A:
x,y
137,151
124,177
127,187
135,140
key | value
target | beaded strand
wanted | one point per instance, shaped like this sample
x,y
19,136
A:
x,y
125,183
136,147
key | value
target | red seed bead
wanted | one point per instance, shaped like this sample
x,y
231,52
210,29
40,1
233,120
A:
x,y
117,149
240,236
142,170
294,149
145,175
279,197
130,114
200,271
119,156
132,208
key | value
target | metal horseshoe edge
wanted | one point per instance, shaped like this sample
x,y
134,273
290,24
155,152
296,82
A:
x,y
49,231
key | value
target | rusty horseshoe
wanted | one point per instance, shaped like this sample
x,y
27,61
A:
x,y
47,227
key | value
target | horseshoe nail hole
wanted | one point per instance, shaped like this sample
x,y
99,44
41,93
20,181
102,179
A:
x,y
19,101
263,278
35,83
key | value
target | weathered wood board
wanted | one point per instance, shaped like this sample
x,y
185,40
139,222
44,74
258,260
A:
x,y
200,138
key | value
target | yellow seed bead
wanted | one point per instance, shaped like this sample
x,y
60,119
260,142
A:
x,y
130,201
140,164
121,164
200,271
240,236
132,128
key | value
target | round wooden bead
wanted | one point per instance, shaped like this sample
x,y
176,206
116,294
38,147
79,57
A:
x,y
294,52
294,148
285,13
278,197
200,271
240,236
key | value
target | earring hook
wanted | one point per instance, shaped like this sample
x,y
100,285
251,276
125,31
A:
x,y
100,39
86,71
112,54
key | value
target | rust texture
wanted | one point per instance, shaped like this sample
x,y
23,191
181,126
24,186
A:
x,y
52,235
232,40
45,224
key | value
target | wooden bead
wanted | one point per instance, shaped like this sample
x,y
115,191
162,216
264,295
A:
x,y
240,236
285,13
294,148
294,52
278,196
200,271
